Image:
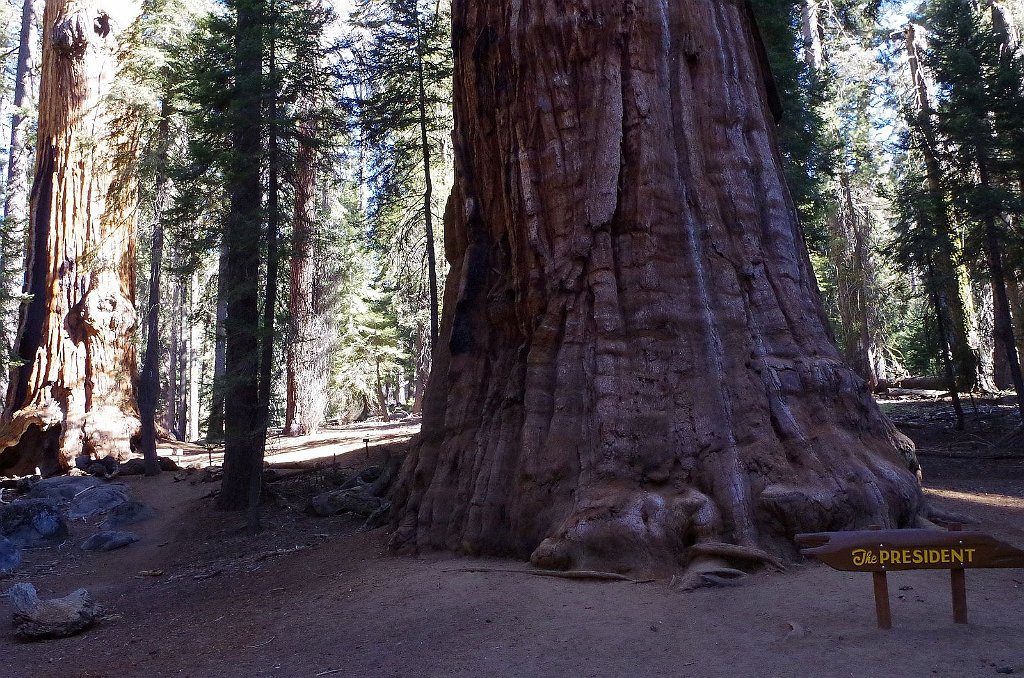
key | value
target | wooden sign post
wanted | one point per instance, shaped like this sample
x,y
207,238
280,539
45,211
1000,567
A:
x,y
883,551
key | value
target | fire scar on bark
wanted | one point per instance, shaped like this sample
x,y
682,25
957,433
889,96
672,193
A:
x,y
635,373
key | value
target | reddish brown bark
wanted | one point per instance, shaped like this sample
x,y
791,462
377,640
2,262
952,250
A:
x,y
634,360
310,337
76,388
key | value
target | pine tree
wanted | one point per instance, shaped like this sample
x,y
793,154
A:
x,y
979,84
401,74
16,190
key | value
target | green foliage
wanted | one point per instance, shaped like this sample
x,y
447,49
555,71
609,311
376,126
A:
x,y
980,114
806,153
395,46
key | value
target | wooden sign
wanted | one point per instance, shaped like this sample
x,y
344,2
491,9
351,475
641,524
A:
x,y
887,550
882,551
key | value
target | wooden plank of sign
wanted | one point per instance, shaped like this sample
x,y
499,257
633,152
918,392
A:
x,y
890,550
883,551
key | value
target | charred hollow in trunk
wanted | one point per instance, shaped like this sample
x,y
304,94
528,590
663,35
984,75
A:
x,y
634,359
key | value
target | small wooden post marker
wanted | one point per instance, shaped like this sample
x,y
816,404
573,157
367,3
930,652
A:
x,y
882,611
881,551
958,584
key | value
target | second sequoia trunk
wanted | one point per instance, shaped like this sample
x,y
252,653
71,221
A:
x,y
634,359
74,392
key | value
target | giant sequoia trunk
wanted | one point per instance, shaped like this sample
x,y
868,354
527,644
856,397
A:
x,y
634,367
75,393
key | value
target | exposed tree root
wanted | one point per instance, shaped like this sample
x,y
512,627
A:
x,y
707,572
559,574
925,524
944,517
736,552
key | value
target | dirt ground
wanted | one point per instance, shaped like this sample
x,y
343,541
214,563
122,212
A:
x,y
317,597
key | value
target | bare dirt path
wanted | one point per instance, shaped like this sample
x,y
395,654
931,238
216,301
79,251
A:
x,y
316,597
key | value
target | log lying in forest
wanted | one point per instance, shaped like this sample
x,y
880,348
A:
x,y
37,619
634,359
928,383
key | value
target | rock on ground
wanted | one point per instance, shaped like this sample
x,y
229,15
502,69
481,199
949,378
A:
x,y
32,522
346,501
108,541
10,554
61,488
96,500
36,619
128,513
137,466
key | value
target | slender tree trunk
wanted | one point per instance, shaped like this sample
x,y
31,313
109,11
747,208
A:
x,y
850,254
266,375
950,276
856,288
1013,293
428,187
814,51
991,354
947,357
149,381
172,399
382,398
16,197
243,421
1001,302
75,395
191,428
421,372
215,428
634,360
310,334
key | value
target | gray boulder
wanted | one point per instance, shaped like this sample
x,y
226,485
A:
x,y
61,489
137,466
36,619
95,500
32,522
133,467
346,501
128,513
10,554
108,541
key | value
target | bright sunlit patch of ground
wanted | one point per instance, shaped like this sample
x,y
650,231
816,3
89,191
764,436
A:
x,y
341,444
984,498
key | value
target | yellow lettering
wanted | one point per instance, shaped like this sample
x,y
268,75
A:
x,y
906,556
957,555
933,556
945,556
884,556
860,557
918,556
896,557
970,555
